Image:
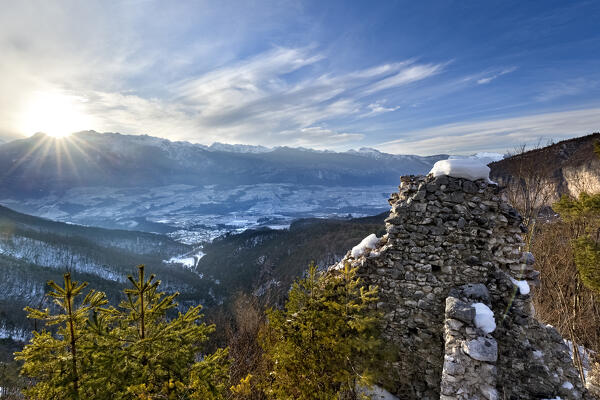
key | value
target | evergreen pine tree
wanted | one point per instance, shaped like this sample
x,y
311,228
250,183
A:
x,y
54,361
583,214
160,353
587,260
132,351
325,343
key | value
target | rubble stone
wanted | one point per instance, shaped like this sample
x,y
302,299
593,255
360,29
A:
x,y
450,243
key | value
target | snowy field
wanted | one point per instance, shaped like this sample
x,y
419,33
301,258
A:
x,y
196,214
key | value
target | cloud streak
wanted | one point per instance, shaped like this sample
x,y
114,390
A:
x,y
410,74
570,87
497,134
490,78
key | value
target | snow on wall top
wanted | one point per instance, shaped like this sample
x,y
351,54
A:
x,y
368,242
467,168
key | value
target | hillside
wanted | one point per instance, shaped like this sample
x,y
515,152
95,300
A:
x,y
266,260
34,250
135,242
570,165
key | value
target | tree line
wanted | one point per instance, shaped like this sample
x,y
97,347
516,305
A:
x,y
323,344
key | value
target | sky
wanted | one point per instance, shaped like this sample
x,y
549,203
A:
x,y
405,77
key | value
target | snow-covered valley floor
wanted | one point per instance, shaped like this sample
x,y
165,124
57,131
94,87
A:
x,y
196,214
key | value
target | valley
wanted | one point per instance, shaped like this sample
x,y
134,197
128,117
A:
x,y
193,215
190,192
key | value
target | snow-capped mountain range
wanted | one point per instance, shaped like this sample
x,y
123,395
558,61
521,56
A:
x,y
193,191
111,159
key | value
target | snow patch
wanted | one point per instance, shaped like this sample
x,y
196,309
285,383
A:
x,y
522,285
189,261
585,354
14,333
370,242
376,393
484,318
238,148
337,267
567,385
489,157
469,168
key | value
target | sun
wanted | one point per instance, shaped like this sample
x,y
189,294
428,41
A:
x,y
55,113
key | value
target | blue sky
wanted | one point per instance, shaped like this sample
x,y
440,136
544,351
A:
x,y
401,76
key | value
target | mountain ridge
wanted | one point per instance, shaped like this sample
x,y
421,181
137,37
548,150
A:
x,y
40,164
220,146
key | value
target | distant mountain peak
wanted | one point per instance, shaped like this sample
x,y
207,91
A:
x,y
238,148
368,150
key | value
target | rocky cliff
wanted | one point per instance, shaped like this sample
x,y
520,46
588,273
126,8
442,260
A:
x,y
455,293
568,167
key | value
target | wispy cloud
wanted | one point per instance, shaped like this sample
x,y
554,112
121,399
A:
x,y
272,73
201,91
255,100
497,134
412,73
379,108
316,134
569,87
490,78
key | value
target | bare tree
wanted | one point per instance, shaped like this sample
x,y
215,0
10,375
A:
x,y
247,355
528,185
562,300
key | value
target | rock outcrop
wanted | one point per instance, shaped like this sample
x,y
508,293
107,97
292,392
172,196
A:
x,y
568,167
453,252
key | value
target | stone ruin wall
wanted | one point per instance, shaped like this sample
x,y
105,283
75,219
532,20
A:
x,y
451,242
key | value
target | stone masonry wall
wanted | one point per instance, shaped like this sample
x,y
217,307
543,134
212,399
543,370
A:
x,y
469,371
442,234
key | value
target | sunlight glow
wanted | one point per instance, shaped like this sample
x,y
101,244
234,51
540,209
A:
x,y
54,113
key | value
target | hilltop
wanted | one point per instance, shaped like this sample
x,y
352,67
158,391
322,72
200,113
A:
x,y
568,167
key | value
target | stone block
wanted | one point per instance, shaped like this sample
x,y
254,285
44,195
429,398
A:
x,y
481,349
459,310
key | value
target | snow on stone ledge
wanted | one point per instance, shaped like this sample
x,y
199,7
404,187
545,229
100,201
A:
x,y
467,168
484,318
368,242
376,393
567,385
522,285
